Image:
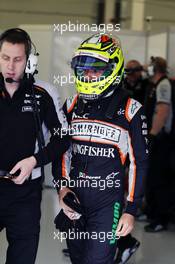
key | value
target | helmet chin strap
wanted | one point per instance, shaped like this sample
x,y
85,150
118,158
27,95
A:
x,y
110,89
109,94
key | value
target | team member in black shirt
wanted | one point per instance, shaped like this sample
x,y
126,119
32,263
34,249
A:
x,y
134,81
20,196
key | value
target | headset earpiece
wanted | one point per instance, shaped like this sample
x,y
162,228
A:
x,y
151,70
32,63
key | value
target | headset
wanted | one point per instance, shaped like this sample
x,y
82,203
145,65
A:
x,y
21,36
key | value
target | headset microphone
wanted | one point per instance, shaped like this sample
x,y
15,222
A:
x,y
10,80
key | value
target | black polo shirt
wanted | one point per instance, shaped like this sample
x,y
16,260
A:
x,y
18,131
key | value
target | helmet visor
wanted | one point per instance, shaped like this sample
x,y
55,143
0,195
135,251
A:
x,y
90,69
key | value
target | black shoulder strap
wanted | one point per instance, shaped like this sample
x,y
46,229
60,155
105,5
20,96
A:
x,y
40,136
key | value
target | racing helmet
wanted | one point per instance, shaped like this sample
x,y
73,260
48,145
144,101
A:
x,y
100,54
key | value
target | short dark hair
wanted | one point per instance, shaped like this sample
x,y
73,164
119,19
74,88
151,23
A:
x,y
160,64
19,36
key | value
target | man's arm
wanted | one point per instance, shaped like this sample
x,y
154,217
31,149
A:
x,y
61,166
58,144
59,140
60,171
161,114
162,110
138,155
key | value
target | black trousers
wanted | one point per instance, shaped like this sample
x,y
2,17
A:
x,y
98,248
20,215
159,181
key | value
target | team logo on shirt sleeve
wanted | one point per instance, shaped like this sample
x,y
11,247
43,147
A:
x,y
132,108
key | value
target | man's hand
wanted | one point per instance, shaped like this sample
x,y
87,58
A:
x,y
25,166
125,226
66,209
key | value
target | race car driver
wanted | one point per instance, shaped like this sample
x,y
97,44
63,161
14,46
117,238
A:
x,y
106,126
